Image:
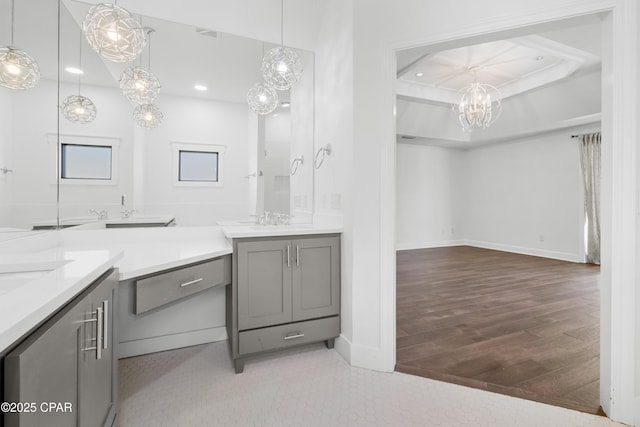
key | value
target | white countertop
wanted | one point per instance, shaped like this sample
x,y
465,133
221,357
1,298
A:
x,y
27,297
253,230
36,283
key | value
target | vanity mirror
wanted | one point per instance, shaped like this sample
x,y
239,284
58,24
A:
x,y
211,159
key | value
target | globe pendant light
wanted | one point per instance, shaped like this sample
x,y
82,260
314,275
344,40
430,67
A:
x,y
77,108
17,69
138,85
148,116
480,104
281,66
262,98
113,33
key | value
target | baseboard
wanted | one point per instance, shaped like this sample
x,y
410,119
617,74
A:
x,y
170,342
562,256
362,356
427,245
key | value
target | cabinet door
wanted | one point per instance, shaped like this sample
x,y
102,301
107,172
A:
x,y
316,277
44,368
98,368
264,283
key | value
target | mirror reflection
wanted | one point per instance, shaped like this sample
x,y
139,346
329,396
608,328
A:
x,y
211,158
27,116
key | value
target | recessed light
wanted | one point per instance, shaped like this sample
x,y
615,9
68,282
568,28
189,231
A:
x,y
539,58
419,74
285,104
74,70
201,88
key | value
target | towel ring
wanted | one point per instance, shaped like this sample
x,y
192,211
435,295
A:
x,y
326,150
294,165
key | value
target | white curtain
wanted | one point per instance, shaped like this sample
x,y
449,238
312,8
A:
x,y
590,160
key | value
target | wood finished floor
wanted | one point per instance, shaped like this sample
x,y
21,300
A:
x,y
513,324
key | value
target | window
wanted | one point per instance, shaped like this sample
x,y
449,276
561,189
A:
x,y
85,162
198,166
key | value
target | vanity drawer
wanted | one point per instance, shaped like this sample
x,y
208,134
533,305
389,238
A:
x,y
288,335
164,288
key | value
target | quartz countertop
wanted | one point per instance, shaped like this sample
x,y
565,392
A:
x,y
242,230
33,286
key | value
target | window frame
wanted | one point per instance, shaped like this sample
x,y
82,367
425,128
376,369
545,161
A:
x,y
84,140
178,147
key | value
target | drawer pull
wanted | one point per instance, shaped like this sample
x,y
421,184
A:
x,y
192,282
292,337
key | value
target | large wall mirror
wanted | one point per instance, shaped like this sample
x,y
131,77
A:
x,y
210,159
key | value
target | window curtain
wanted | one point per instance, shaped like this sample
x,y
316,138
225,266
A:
x,y
590,161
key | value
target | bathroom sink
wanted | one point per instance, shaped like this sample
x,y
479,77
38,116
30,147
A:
x,y
13,276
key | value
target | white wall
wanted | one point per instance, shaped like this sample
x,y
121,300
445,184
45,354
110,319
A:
x,y
190,120
527,197
6,136
431,185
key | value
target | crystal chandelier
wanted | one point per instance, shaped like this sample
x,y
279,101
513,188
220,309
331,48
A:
x,y
281,66
262,98
113,33
148,116
138,85
480,105
17,69
79,109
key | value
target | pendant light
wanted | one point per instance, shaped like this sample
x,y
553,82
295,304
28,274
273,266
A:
x,y
480,104
78,108
138,85
17,69
148,116
281,66
262,98
113,32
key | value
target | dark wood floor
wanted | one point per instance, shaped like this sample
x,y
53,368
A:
x,y
513,324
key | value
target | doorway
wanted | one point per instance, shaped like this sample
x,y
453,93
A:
x,y
490,306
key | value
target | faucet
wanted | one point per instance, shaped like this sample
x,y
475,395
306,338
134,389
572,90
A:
x,y
102,214
125,213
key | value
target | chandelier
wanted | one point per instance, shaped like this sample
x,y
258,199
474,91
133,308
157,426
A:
x,y
17,69
148,116
138,85
480,104
281,66
113,33
79,109
262,98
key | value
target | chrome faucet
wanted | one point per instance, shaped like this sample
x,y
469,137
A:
x,y
102,214
125,213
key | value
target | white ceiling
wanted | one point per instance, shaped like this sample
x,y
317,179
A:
x,y
530,71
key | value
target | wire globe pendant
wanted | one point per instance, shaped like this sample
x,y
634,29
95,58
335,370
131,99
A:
x,y
148,116
17,69
79,109
262,98
139,85
113,33
281,68
480,106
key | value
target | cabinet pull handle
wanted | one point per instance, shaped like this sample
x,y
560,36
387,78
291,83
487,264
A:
x,y
192,282
105,332
98,338
288,256
298,255
292,337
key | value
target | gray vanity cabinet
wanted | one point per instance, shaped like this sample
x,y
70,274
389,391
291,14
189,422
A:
x,y
285,292
69,360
